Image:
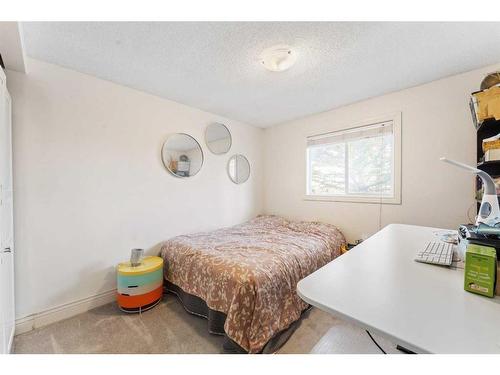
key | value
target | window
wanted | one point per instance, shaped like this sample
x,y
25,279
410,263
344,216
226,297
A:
x,y
360,164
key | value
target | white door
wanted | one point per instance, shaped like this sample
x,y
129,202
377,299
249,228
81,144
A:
x,y
6,221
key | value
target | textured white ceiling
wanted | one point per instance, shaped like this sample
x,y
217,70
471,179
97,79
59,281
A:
x,y
214,66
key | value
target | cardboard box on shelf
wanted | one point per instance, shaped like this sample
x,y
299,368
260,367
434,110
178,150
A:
x,y
492,154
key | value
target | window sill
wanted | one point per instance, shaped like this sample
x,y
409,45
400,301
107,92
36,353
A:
x,y
352,199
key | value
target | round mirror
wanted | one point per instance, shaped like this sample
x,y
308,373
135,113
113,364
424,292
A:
x,y
218,138
238,169
182,155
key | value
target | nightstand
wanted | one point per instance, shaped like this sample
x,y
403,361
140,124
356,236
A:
x,y
140,288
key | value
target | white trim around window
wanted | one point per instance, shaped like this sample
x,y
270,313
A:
x,y
364,127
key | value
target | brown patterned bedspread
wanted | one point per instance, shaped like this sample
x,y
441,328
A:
x,y
250,272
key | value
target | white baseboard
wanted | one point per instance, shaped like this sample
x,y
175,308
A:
x,y
62,312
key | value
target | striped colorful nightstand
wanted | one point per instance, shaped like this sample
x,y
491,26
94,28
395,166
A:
x,y
140,288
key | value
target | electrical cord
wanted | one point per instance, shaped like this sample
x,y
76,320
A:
x,y
379,228
471,219
376,343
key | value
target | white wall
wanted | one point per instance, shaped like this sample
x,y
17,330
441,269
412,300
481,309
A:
x,y
90,185
436,121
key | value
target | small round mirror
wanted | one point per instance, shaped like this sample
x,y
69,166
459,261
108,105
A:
x,y
182,155
238,169
218,138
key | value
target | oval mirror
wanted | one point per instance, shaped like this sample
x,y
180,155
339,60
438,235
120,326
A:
x,y
182,155
238,169
218,138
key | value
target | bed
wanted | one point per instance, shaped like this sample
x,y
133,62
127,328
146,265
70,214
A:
x,y
243,278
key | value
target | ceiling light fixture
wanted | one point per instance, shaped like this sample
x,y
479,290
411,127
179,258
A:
x,y
278,58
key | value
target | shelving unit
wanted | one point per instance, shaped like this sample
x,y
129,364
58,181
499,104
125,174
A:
x,y
490,167
486,129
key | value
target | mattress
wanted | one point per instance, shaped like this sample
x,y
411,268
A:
x,y
249,272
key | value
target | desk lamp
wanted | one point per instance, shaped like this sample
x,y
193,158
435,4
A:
x,y
489,211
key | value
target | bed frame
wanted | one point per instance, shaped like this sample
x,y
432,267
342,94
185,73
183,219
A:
x,y
216,319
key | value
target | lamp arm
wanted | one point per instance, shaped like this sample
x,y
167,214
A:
x,y
488,183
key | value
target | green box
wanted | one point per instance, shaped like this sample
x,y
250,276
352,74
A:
x,y
480,270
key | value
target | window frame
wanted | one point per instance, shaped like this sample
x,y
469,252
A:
x,y
397,163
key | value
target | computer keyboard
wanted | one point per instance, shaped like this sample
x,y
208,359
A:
x,y
436,252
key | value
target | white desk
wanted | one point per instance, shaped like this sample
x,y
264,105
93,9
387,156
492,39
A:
x,y
378,286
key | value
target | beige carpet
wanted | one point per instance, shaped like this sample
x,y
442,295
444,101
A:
x,y
167,328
